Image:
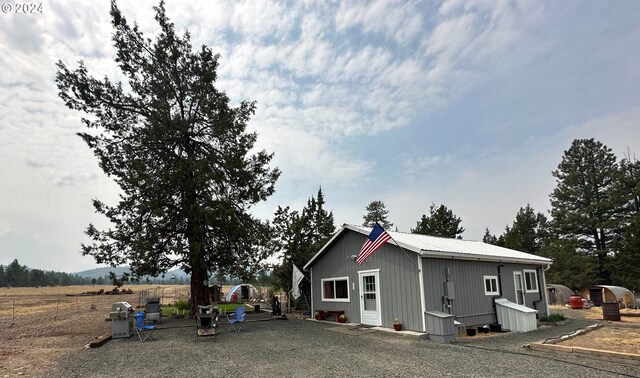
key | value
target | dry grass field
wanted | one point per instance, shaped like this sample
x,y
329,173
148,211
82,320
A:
x,y
616,339
40,325
595,313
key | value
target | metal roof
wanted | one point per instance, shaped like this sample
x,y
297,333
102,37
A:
x,y
431,246
618,291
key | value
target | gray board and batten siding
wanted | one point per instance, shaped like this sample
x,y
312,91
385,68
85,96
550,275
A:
x,y
471,306
399,283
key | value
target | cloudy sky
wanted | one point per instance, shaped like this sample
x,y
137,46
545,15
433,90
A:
x,y
464,103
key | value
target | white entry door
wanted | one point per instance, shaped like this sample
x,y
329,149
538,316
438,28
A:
x,y
517,280
370,297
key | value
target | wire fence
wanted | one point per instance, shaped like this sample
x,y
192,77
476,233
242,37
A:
x,y
167,295
17,310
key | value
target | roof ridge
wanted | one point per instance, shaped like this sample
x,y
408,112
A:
x,y
413,233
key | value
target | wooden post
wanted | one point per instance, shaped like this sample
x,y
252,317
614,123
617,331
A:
x,y
13,314
55,317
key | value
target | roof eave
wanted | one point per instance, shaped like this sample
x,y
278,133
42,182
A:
x,y
460,256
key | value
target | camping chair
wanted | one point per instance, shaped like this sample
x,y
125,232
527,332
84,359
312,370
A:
x,y
206,322
143,330
236,319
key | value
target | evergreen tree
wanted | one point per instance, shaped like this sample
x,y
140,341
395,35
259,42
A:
x,y
441,222
299,236
16,274
377,212
528,232
627,260
37,278
585,205
629,188
489,238
570,267
180,154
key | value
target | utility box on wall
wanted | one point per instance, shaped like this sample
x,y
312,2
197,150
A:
x,y
449,288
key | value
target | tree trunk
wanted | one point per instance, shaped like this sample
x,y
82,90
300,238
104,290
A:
x,y
199,270
199,291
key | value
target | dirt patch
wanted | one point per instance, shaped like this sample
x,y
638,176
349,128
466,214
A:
x,y
627,316
622,338
39,326
609,338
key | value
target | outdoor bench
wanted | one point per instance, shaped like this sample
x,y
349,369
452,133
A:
x,y
322,314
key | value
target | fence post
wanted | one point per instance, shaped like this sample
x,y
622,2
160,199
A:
x,y
57,306
13,314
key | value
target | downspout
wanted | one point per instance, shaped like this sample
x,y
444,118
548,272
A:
x,y
495,311
311,313
500,279
539,277
546,293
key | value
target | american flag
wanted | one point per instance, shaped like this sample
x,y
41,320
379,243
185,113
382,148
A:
x,y
376,239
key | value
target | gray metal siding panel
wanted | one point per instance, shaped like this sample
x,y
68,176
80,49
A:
x,y
399,284
335,263
471,306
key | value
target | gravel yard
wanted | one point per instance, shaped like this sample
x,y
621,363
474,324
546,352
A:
x,y
298,348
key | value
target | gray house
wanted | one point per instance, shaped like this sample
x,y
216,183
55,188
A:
x,y
453,276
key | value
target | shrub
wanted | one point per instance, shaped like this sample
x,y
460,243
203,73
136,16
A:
x,y
555,317
182,305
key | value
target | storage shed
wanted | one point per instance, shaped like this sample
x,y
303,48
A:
x,y
559,294
607,293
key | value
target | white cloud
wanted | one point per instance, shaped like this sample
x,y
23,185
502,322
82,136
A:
x,y
327,76
398,21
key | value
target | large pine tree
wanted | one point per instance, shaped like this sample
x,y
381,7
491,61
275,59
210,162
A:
x,y
586,205
180,154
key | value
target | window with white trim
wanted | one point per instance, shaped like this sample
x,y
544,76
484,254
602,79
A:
x,y
530,281
335,289
491,285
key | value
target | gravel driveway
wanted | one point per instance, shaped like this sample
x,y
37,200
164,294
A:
x,y
298,348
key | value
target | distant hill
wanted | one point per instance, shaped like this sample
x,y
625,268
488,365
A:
x,y
102,272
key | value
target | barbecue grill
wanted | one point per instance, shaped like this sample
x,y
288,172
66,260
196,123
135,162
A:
x,y
122,320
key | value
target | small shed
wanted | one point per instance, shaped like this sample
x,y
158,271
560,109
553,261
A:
x,y
559,294
242,293
607,293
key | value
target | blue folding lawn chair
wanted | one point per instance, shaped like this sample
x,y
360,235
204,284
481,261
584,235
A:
x,y
143,330
237,319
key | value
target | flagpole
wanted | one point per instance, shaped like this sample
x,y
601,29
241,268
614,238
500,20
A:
x,y
402,249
